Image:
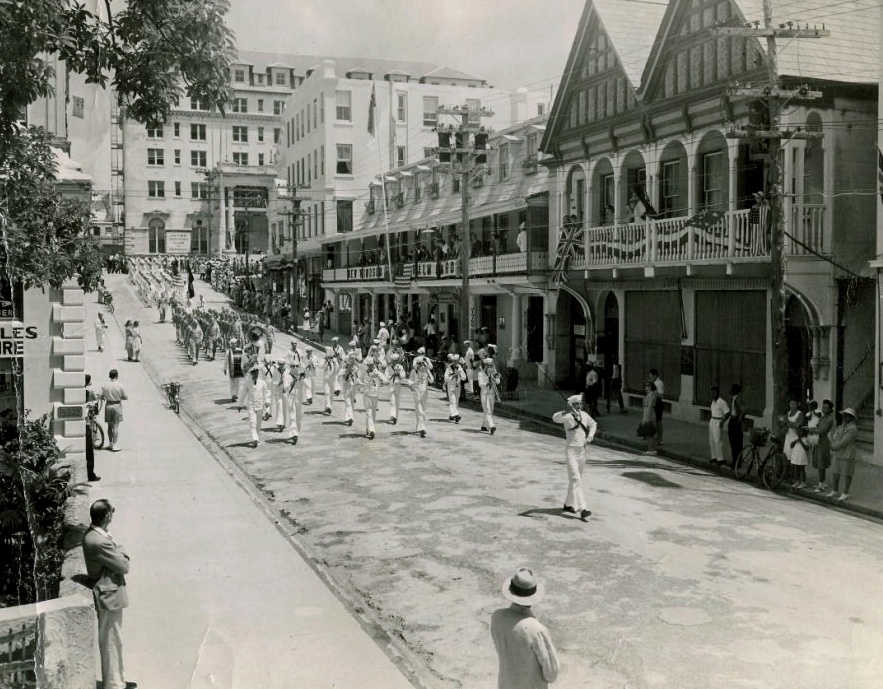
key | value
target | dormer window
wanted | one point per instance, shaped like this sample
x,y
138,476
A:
x,y
281,79
239,75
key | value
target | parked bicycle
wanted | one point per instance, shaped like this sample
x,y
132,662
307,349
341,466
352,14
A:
x,y
771,467
97,430
173,390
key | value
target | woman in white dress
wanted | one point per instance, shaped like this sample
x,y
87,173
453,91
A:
x,y
795,447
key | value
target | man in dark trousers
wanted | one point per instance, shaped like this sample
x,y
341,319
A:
x,y
106,566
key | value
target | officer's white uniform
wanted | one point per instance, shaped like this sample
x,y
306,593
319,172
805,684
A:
x,y
454,375
397,376
348,390
421,377
577,438
254,403
487,379
371,381
329,377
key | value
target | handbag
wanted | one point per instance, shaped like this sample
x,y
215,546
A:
x,y
646,429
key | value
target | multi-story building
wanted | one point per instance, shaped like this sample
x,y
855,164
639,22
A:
x,y
331,152
419,275
685,286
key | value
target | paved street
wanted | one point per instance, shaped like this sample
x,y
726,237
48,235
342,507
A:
x,y
680,579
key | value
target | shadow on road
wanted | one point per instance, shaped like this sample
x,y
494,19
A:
x,y
651,478
547,511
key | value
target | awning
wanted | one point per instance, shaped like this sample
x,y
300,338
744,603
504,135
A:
x,y
405,173
511,137
424,168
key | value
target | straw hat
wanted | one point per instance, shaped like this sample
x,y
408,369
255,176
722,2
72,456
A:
x,y
523,588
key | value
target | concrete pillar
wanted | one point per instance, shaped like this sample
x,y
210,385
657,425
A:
x,y
222,222
547,367
516,350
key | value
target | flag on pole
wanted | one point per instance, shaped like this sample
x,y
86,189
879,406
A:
x,y
372,106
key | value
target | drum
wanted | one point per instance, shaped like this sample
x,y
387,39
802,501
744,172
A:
x,y
235,367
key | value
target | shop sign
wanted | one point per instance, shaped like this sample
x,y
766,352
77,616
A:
x,y
12,338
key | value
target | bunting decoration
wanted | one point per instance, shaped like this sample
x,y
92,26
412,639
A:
x,y
880,172
570,239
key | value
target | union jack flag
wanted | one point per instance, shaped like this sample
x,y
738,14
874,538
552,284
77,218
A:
x,y
569,240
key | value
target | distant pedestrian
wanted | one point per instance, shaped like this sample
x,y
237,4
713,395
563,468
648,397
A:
x,y
527,657
137,341
823,431
648,416
92,408
659,388
580,430
113,395
100,331
106,566
593,388
735,433
720,412
843,452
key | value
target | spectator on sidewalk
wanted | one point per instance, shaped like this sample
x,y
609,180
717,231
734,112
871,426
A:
x,y
720,412
821,458
843,453
593,388
659,388
614,388
100,331
734,424
527,657
794,447
580,430
648,415
113,395
92,403
106,566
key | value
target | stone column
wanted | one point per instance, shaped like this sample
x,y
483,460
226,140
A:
x,y
222,221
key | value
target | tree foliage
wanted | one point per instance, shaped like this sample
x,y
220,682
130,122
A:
x,y
151,53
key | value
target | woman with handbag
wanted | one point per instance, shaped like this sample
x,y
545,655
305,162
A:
x,y
648,418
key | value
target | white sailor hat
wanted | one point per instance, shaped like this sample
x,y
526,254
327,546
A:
x,y
419,359
335,338
492,345
574,399
488,362
382,324
422,350
450,357
375,341
353,343
369,361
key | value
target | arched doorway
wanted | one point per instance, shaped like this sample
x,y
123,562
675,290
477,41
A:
x,y
573,338
156,236
608,342
798,339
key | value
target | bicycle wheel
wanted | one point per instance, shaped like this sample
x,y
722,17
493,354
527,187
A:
x,y
97,435
774,469
744,463
176,405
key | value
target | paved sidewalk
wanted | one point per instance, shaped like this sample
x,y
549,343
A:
x,y
684,442
219,596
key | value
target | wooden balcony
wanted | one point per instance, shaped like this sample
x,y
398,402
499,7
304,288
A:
x,y
675,240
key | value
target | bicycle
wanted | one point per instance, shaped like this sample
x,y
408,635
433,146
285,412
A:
x,y
771,468
97,430
172,390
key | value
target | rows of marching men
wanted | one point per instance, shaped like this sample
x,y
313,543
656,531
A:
x,y
275,389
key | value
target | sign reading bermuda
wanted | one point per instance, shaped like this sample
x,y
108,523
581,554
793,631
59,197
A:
x,y
12,338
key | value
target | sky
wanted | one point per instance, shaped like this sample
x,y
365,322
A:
x,y
510,43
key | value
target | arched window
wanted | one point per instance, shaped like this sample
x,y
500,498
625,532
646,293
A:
x,y
156,236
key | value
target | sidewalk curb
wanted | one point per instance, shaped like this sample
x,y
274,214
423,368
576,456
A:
x,y
394,648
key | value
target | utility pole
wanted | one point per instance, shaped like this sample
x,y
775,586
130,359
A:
x,y
293,226
772,96
466,158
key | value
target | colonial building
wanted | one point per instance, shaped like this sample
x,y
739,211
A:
x,y
671,269
330,151
420,275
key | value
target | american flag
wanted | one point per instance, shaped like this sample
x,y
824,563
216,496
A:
x,y
705,220
570,238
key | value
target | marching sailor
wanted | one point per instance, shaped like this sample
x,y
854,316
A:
x,y
488,380
454,377
338,353
421,377
308,366
233,368
350,374
292,393
329,377
469,362
370,383
397,377
580,430
254,403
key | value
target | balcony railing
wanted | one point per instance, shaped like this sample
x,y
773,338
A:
x,y
808,227
673,240
505,264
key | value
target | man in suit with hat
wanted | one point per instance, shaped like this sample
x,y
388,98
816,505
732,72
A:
x,y
106,566
527,657
580,429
